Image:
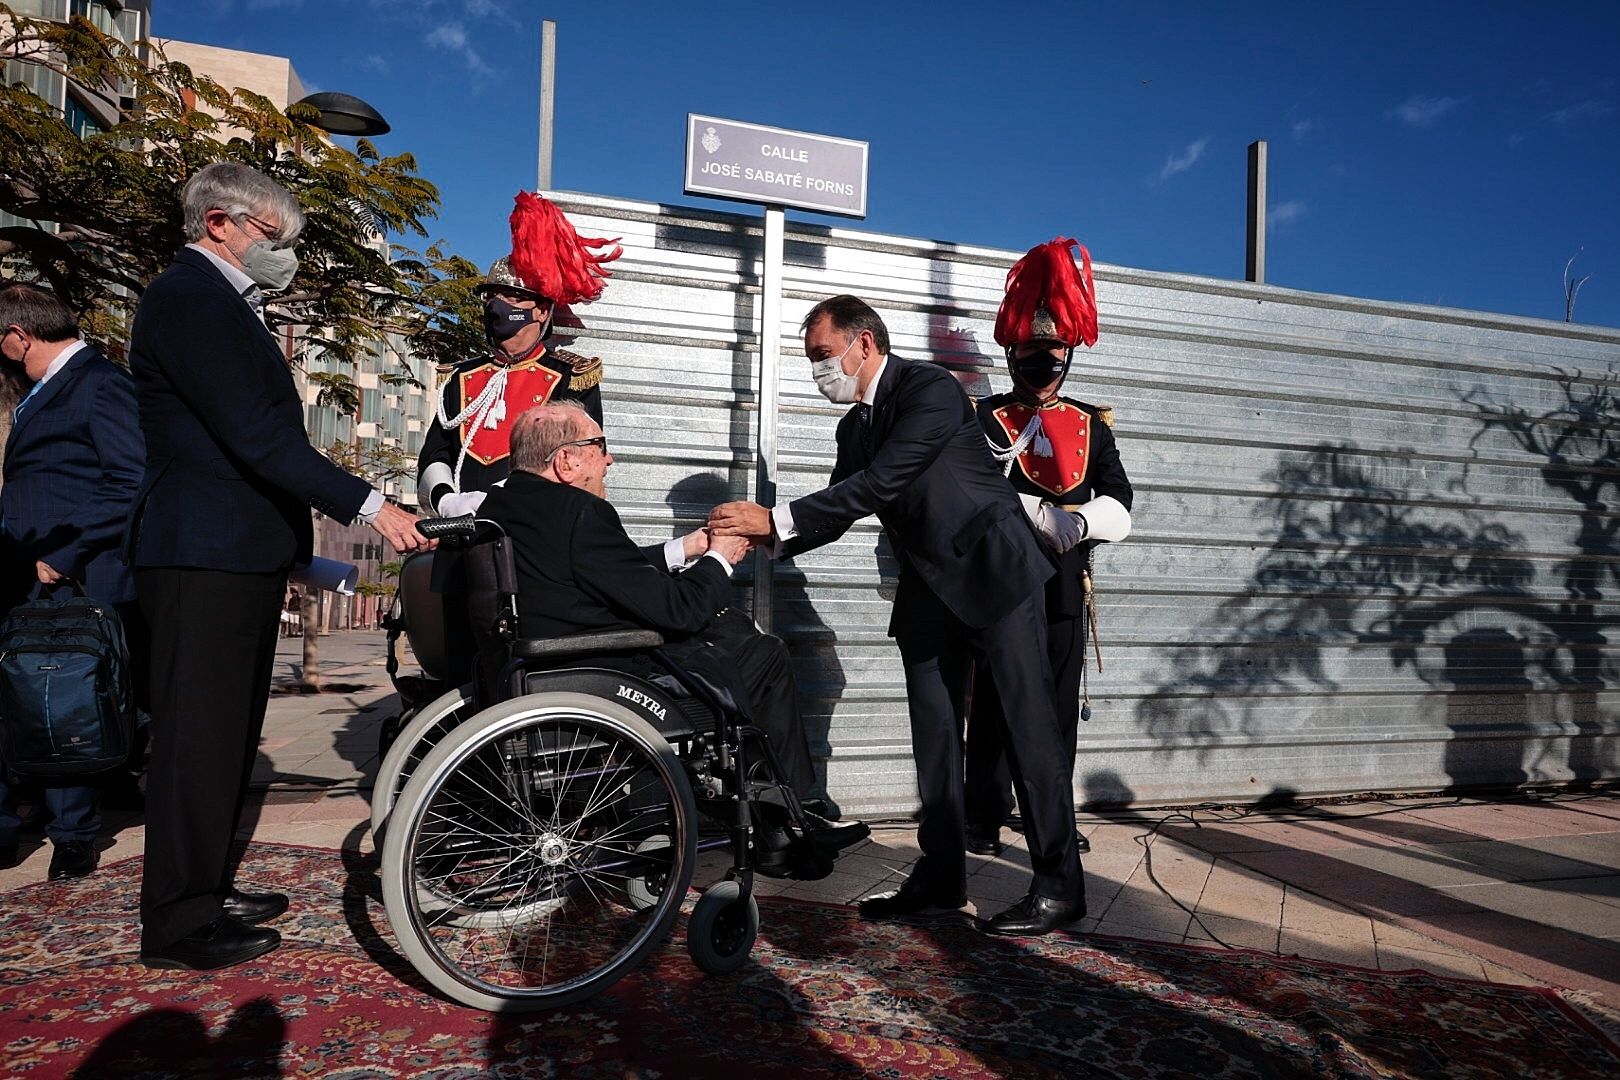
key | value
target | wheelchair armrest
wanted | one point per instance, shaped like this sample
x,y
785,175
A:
x,y
585,644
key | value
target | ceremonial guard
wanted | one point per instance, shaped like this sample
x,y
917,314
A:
x,y
467,447
1059,453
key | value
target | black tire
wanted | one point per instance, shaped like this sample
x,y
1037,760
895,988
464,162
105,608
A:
x,y
722,930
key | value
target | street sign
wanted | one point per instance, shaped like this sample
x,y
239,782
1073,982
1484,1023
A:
x,y
730,159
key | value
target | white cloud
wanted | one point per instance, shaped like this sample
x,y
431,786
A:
x,y
1582,111
1284,212
1420,111
1302,128
375,62
453,38
485,9
1180,163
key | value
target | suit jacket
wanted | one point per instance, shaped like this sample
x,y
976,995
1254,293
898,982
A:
x,y
1101,473
230,473
579,572
953,519
73,464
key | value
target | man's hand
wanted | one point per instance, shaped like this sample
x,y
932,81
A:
x,y
741,519
694,544
46,573
398,527
733,549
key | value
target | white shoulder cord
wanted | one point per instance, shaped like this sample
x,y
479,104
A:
x,y
1008,456
488,409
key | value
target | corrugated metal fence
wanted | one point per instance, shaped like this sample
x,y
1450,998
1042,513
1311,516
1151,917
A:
x,y
1377,546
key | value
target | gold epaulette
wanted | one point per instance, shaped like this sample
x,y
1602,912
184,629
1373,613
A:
x,y
587,370
1105,413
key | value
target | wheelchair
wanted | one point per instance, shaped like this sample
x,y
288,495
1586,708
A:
x,y
539,827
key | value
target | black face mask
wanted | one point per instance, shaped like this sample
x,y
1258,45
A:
x,y
504,321
1036,371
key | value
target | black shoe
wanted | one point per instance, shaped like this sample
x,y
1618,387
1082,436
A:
x,y
8,855
72,858
254,908
1081,844
912,898
835,836
1034,915
984,839
823,807
221,943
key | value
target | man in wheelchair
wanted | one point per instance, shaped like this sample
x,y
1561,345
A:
x,y
578,572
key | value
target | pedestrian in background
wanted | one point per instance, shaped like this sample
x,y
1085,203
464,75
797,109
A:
x,y
73,462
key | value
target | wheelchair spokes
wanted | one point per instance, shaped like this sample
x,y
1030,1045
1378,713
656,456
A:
x,y
543,856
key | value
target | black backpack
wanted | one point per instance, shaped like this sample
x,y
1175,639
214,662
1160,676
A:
x,y
66,705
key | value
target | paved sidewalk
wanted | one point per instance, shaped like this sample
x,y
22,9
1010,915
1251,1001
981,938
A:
x,y
1524,892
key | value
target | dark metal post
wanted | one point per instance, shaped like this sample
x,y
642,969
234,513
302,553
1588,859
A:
x,y
1254,263
548,105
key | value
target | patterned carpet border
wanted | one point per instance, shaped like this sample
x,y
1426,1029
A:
x,y
828,996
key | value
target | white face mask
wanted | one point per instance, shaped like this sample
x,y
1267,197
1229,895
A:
x,y
271,268
836,385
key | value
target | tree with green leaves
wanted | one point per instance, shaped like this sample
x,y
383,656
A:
x,y
108,212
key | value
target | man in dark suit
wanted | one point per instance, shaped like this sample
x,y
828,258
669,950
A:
x,y
971,577
222,516
72,463
579,572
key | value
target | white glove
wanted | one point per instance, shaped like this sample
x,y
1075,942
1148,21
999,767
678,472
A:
x,y
1061,529
458,503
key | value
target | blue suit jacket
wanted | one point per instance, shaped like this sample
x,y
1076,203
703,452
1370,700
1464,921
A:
x,y
73,464
230,473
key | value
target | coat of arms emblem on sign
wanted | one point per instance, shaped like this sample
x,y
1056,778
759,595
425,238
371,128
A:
x,y
711,141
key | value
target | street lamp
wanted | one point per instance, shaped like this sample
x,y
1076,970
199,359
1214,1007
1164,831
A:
x,y
345,114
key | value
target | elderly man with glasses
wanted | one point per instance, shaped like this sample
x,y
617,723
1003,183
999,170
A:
x,y
221,518
579,572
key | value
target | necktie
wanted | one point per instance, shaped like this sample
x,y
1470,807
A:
x,y
17,414
255,300
863,416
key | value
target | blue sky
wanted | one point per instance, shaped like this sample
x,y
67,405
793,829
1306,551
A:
x,y
1438,153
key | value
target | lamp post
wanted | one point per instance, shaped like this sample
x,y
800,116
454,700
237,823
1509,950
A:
x,y
345,114
340,114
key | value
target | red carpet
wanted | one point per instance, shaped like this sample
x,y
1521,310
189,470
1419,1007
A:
x,y
829,996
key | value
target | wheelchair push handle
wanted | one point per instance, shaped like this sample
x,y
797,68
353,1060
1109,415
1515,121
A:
x,y
459,532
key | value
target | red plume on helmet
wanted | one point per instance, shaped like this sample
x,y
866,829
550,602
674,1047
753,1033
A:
x,y
1049,298
550,258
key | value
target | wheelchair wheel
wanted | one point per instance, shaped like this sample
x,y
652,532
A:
x,y
722,930
426,728
539,852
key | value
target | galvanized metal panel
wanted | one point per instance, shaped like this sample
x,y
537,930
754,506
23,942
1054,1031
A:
x,y
1377,546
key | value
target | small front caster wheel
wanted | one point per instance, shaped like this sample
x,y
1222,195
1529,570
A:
x,y
722,930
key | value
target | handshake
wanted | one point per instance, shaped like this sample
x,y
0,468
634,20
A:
x,y
734,529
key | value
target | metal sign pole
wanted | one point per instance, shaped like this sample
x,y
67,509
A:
x,y
770,365
548,94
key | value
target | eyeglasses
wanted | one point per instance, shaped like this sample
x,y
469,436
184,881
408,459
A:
x,y
599,441
266,230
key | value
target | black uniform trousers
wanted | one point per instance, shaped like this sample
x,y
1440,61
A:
x,y
989,780
939,653
213,650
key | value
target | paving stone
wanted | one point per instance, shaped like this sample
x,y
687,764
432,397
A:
x,y
1305,913
1391,958
1356,951
1235,933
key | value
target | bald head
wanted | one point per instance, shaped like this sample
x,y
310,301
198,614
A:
x,y
540,431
